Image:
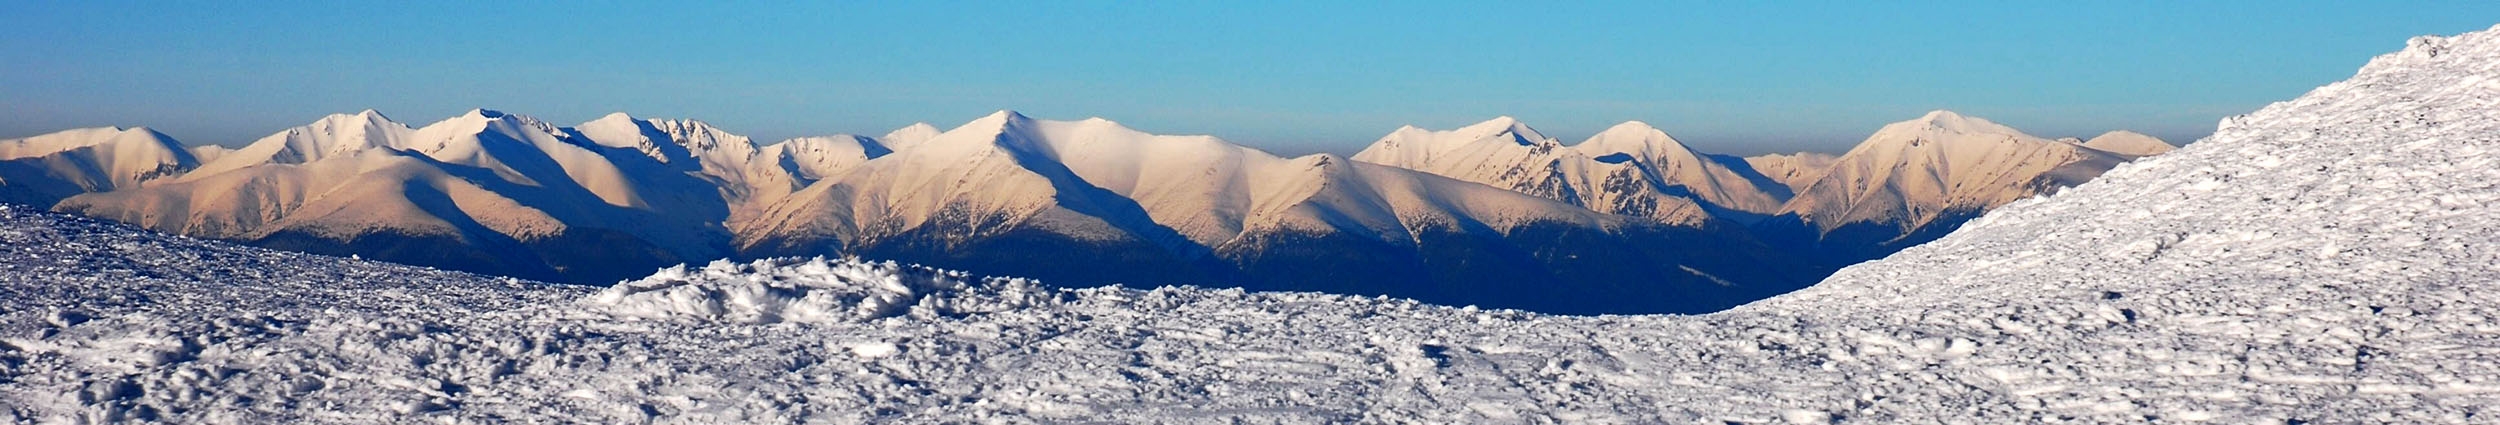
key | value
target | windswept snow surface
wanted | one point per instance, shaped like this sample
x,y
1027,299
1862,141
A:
x,y
2324,260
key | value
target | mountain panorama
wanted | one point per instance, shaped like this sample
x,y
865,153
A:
x,y
2323,260
1494,214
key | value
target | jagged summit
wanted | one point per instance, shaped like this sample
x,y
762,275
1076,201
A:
x,y
1520,132
1194,208
1183,208
332,135
1630,169
348,122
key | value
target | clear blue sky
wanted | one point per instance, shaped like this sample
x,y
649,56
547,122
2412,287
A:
x,y
1734,77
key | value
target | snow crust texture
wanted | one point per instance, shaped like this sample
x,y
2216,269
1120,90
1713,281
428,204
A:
x,y
789,290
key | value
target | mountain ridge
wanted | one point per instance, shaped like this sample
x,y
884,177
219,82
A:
x,y
1630,220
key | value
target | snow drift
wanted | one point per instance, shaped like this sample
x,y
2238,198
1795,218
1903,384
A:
x,y
803,291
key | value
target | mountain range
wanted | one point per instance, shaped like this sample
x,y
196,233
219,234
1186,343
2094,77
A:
x,y
1494,214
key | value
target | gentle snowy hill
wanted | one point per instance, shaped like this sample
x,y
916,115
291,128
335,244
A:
x,y
2129,143
910,135
1916,180
2324,260
42,170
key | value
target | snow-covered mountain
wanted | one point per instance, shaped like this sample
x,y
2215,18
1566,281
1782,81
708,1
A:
x,y
1010,194
1793,171
1631,169
2323,260
1908,183
1914,181
486,191
781,169
42,170
910,135
2129,143
1630,220
614,197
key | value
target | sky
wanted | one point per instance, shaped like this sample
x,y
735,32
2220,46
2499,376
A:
x,y
1290,77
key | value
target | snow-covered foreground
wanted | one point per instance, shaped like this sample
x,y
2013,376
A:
x,y
2325,260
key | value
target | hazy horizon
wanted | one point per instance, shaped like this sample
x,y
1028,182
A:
x,y
1292,79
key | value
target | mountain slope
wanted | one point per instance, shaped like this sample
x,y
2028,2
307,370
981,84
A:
x,y
1652,154
1009,194
1793,171
1915,180
486,192
1505,153
973,197
42,170
607,199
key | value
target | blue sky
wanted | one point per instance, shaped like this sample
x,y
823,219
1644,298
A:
x,y
1292,77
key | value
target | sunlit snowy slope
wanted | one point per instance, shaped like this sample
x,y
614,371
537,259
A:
x,y
618,197
43,169
2324,260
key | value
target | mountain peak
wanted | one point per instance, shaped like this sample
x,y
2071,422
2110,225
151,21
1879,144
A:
x,y
1632,129
2124,133
360,118
1947,122
1521,132
1941,115
2128,143
1632,137
1498,123
619,116
1008,115
909,135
